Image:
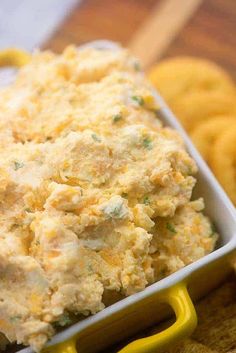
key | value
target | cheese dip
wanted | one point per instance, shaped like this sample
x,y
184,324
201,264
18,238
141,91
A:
x,y
95,193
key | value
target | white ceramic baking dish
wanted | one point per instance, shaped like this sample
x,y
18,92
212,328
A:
x,y
139,311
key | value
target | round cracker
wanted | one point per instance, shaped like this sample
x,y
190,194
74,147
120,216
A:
x,y
195,108
177,76
223,161
205,135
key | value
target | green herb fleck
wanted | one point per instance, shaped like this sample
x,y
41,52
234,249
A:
x,y
90,268
156,112
14,319
116,117
189,170
147,143
96,138
18,165
137,66
116,211
64,320
171,228
163,272
124,194
138,99
213,230
28,210
37,242
146,200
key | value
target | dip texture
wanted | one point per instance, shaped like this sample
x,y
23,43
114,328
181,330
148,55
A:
x,y
95,194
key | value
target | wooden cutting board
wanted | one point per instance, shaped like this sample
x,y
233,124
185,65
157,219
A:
x,y
155,29
208,30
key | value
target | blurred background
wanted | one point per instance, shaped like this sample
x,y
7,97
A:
x,y
152,28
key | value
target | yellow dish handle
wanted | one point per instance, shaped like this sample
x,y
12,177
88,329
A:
x,y
186,321
13,57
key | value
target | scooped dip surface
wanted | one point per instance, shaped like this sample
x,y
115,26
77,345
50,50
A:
x,y
95,193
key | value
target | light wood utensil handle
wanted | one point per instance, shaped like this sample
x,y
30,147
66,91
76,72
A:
x,y
161,27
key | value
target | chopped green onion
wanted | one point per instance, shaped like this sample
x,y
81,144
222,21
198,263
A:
x,y
213,230
96,138
14,319
171,228
18,165
137,66
147,143
64,320
116,210
138,99
116,117
28,210
146,200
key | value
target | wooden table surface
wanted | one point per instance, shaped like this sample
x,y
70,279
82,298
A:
x,y
210,33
